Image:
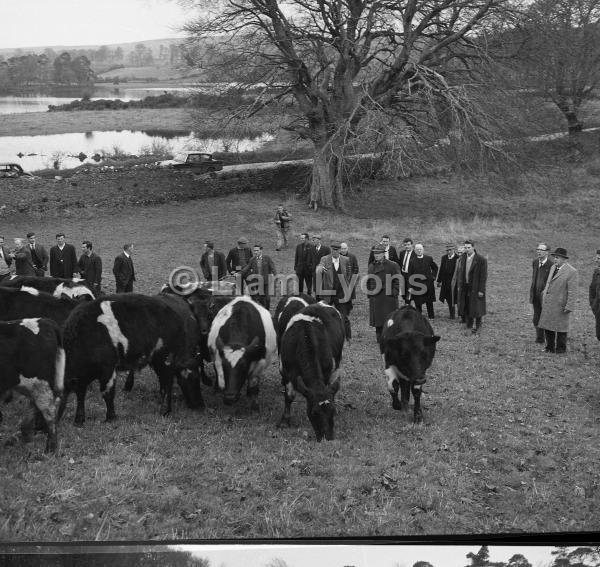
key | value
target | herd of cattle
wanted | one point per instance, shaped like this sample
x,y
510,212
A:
x,y
57,338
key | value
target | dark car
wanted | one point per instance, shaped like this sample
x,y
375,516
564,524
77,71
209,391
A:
x,y
13,170
197,162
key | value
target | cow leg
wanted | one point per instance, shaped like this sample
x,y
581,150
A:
x,y
404,395
80,391
392,385
27,423
253,385
108,393
189,382
128,386
416,392
289,395
163,370
42,397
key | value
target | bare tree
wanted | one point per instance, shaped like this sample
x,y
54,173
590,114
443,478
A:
x,y
341,60
560,55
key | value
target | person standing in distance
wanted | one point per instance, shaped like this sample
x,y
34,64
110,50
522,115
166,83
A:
x,y
540,271
472,281
63,259
303,264
444,278
123,270
282,222
90,268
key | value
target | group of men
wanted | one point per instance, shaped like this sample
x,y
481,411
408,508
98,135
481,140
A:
x,y
29,258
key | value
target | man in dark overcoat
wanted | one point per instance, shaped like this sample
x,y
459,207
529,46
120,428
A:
x,y
63,258
318,251
540,271
471,282
383,288
454,285
123,270
594,294
38,255
422,281
23,262
444,278
258,274
90,268
333,281
303,264
212,263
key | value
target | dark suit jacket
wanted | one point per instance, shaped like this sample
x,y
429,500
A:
x,y
425,271
318,254
90,269
447,267
267,268
23,262
539,279
478,281
353,262
238,258
328,274
392,253
304,258
218,261
63,264
41,264
123,270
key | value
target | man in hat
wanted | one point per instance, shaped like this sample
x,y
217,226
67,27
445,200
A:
x,y
212,263
303,264
540,271
318,252
595,294
383,288
558,300
444,278
331,271
238,257
471,282
282,222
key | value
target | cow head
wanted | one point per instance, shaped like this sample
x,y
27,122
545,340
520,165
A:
x,y
320,408
411,352
238,362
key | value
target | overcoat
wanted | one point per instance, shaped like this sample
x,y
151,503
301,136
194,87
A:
x,y
594,293
478,280
63,263
424,273
444,277
558,299
218,262
353,270
23,262
327,271
381,304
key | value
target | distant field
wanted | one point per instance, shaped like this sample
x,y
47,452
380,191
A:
x,y
511,440
159,72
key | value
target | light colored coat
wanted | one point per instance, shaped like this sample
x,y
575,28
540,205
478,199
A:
x,y
327,271
558,299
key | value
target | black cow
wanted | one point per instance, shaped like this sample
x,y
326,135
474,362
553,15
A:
x,y
122,332
310,357
29,302
242,342
408,347
32,362
57,287
287,307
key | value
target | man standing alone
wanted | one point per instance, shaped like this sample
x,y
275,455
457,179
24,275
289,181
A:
x,y
558,300
541,268
63,259
123,270
471,283
282,222
595,294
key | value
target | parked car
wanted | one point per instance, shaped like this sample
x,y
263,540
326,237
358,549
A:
x,y
197,162
13,170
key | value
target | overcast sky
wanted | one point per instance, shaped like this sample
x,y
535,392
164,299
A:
x,y
360,555
87,22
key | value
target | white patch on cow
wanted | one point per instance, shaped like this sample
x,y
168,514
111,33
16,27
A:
x,y
390,322
233,356
383,358
13,277
109,320
301,317
335,375
60,289
32,324
416,386
72,292
40,392
289,300
392,375
223,316
219,369
324,403
30,290
159,344
59,370
111,383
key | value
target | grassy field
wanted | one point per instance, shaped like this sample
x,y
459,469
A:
x,y
510,441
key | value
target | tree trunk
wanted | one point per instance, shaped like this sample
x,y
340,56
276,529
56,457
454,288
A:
x,y
326,187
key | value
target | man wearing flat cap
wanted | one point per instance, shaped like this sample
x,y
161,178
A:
x,y
540,272
595,294
558,300
444,278
238,257
383,288
334,275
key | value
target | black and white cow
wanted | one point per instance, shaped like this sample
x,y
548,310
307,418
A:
x,y
309,362
28,302
124,332
407,347
242,343
73,288
287,307
32,362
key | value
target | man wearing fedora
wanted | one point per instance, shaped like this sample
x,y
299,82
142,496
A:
x,y
558,300
595,294
444,278
541,269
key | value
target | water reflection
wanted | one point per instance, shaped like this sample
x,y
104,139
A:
x,y
40,152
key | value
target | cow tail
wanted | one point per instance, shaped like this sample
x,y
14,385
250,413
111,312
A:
x,y
59,366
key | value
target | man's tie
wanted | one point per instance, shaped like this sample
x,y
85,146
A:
x,y
405,267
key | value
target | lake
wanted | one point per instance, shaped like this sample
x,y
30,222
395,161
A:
x,y
66,147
